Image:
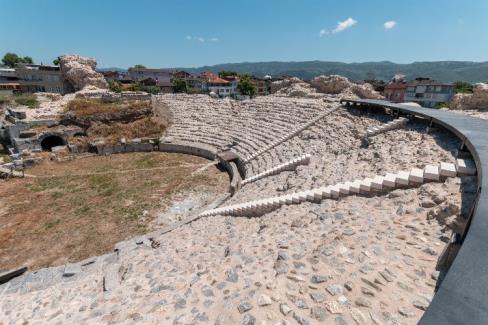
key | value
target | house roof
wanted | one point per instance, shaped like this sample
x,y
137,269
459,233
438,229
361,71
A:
x,y
213,78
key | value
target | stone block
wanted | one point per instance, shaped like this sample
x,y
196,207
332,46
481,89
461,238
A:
x,y
71,270
389,180
377,183
416,176
402,178
431,172
365,185
355,187
466,167
447,169
343,188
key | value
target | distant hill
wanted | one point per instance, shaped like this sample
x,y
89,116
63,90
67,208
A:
x,y
446,71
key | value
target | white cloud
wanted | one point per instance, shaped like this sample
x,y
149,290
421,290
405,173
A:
x,y
390,24
201,39
341,26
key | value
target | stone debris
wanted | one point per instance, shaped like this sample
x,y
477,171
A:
x,y
477,101
80,72
339,85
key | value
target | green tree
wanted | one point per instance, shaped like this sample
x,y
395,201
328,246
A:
x,y
57,61
11,59
463,87
114,86
246,87
225,73
27,60
139,66
179,86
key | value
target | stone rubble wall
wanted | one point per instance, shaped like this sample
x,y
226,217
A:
x,y
80,72
478,100
323,85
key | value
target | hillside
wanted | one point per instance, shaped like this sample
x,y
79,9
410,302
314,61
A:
x,y
447,71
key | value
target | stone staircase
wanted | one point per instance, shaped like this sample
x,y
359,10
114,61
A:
x,y
395,124
289,165
390,181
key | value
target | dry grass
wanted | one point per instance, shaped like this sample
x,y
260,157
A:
x,y
83,107
112,133
91,204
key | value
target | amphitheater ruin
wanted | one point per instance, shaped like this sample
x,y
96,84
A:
x,y
339,211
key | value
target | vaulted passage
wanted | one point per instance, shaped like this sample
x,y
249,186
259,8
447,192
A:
x,y
51,141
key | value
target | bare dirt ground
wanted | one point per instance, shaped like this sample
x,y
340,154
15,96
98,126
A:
x,y
77,209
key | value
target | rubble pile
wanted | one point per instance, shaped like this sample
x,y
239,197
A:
x,y
339,85
293,87
80,72
321,85
478,100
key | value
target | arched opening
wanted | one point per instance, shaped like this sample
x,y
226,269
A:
x,y
51,141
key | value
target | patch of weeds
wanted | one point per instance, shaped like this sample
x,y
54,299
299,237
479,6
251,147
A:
x,y
56,195
27,100
44,184
50,224
105,185
82,211
147,162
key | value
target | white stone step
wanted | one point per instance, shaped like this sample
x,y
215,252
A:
x,y
431,172
416,176
447,169
465,167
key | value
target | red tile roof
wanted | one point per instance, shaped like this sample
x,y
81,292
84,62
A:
x,y
213,78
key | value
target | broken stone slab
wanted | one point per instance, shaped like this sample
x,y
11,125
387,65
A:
x,y
111,278
7,275
71,270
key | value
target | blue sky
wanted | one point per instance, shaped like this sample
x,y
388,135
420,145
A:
x,y
193,33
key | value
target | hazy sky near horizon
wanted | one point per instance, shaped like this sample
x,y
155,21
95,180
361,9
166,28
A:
x,y
121,33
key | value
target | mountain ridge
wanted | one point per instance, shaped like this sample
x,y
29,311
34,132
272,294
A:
x,y
445,71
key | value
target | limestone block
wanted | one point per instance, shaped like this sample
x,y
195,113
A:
x,y
389,180
365,185
355,187
416,176
402,178
343,188
377,183
447,169
466,167
431,172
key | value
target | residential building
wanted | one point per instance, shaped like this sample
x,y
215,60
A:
x,y
42,78
428,93
181,74
8,75
262,85
395,92
163,75
234,81
7,89
215,84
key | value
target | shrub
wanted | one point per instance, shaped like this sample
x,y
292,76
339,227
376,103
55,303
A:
x,y
115,86
442,105
463,87
28,100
